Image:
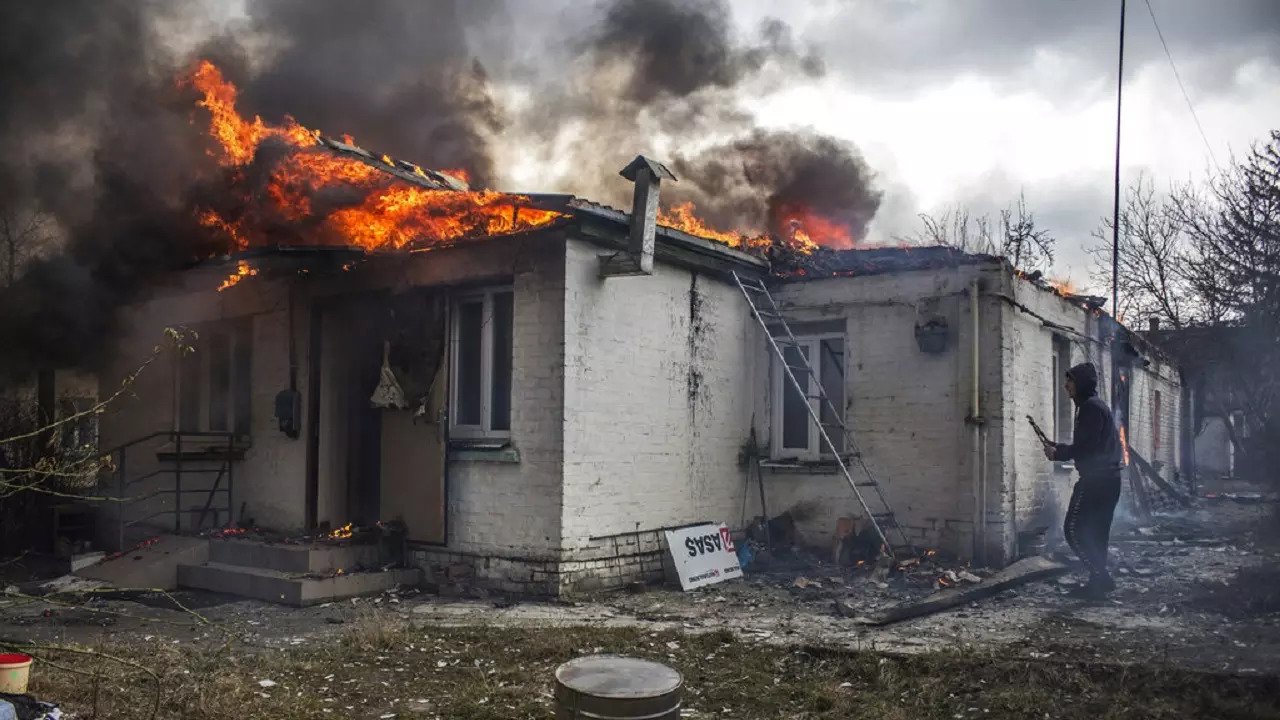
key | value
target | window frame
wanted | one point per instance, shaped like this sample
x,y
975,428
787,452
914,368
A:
x,y
1062,406
483,431
238,333
779,384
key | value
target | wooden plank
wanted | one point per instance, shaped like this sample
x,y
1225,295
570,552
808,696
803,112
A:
x,y
1160,482
1020,573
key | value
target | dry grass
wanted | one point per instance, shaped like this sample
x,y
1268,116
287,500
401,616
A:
x,y
382,665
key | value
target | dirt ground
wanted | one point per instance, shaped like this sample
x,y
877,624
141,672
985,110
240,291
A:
x,y
1199,593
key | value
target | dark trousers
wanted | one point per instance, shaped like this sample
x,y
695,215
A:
x,y
1088,522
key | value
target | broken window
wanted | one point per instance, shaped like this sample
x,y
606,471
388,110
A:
x,y
482,363
795,434
214,383
1063,414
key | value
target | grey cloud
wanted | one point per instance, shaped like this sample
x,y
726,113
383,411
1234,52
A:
x,y
899,45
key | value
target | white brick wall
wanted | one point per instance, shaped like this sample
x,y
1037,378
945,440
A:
x,y
633,398
512,510
906,408
1036,493
657,400
270,480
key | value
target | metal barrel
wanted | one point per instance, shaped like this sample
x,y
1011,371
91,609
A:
x,y
613,687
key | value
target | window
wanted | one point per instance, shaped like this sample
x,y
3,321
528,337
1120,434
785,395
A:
x,y
1155,424
1063,413
214,386
481,391
795,434
83,431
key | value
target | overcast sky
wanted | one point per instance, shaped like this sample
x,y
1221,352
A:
x,y
969,101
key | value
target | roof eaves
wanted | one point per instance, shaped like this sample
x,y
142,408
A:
x,y
674,238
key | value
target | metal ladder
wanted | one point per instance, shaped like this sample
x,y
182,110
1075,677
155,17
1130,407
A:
x,y
873,502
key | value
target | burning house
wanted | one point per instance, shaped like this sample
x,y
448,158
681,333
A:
x,y
535,387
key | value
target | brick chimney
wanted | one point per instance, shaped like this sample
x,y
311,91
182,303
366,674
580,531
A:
x,y
638,258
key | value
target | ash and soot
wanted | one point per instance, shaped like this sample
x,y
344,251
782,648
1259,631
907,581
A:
x,y
154,135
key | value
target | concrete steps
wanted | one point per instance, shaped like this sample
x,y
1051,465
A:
x,y
286,589
292,558
296,575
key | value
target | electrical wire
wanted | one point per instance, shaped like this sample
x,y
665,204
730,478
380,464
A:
x,y
1177,76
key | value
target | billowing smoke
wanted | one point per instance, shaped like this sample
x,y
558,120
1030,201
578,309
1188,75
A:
x,y
97,137
768,179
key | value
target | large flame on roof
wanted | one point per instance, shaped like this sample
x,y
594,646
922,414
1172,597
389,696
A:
x,y
797,227
332,198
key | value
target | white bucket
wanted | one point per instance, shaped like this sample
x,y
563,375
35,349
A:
x,y
15,671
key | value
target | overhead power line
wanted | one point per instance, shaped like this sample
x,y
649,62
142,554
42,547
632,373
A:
x,y
1177,76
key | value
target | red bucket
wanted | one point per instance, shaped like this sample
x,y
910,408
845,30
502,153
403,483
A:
x,y
15,671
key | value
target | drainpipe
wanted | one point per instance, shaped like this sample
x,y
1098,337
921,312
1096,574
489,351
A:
x,y
975,423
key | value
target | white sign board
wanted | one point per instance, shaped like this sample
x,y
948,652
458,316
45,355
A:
x,y
703,555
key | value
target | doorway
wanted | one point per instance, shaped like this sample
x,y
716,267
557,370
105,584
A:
x,y
368,464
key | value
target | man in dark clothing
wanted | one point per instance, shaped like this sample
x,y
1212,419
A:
x,y
1099,459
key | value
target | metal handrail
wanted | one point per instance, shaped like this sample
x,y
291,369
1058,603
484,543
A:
x,y
177,436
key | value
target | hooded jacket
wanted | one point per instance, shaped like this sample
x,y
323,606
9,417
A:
x,y
1095,444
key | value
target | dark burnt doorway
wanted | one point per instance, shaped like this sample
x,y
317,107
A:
x,y
368,463
347,431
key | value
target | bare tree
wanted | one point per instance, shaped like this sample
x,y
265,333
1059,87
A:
x,y
1155,260
24,235
1022,243
956,228
1233,264
1016,238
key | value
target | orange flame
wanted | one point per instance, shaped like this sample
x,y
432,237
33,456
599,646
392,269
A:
x,y
458,173
342,533
1064,287
809,230
1124,444
384,212
683,217
801,229
243,270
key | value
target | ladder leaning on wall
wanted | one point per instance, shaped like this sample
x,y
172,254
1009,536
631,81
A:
x,y
867,490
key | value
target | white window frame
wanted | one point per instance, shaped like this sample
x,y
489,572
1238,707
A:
x,y
483,431
1061,404
780,383
239,332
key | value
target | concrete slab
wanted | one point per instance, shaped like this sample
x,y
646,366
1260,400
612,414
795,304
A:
x,y
286,589
1019,573
84,560
151,567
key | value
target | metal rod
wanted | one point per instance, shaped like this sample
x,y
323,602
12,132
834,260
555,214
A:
x,y
231,472
1115,211
177,490
120,494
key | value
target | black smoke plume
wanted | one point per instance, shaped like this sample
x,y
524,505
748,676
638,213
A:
x,y
96,134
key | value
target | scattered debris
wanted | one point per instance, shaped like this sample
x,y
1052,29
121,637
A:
x,y
1019,573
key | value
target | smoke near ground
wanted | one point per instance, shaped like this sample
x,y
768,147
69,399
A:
x,y
97,135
